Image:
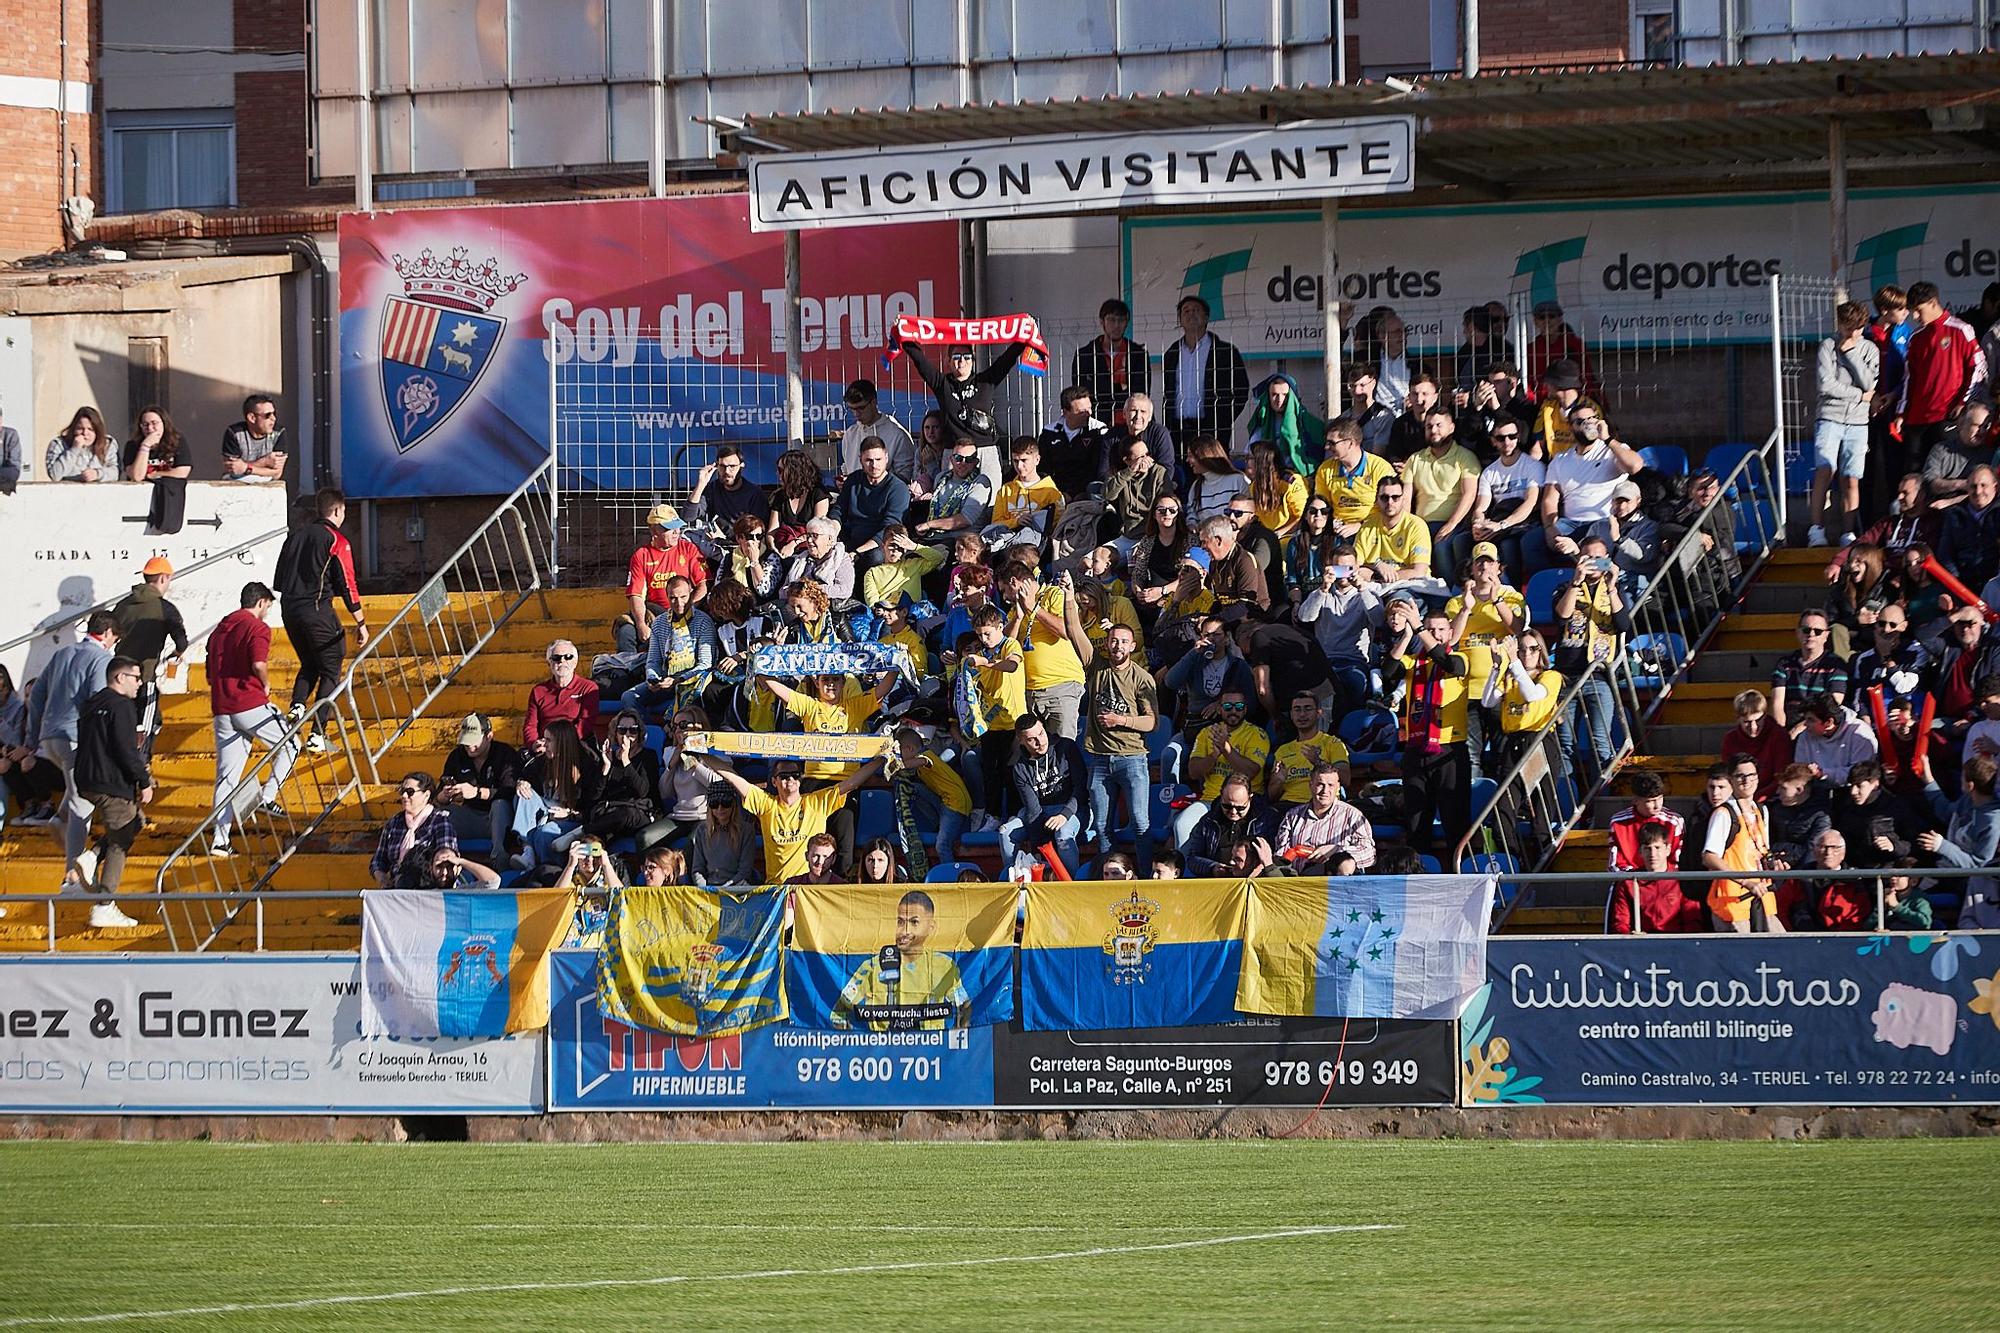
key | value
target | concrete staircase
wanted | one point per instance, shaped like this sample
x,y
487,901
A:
x,y
495,682
1685,737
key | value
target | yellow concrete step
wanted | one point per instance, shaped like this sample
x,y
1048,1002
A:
x,y
1554,921
41,871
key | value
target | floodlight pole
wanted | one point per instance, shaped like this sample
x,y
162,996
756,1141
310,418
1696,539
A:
x,y
364,107
1836,156
1329,287
795,389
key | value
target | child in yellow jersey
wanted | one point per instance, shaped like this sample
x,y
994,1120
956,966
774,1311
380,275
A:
x,y
1292,765
938,797
1030,499
831,705
896,628
1003,694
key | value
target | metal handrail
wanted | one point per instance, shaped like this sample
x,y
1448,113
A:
x,y
56,626
1614,673
395,677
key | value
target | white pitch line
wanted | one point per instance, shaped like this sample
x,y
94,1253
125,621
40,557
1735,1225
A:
x,y
361,1223
673,1279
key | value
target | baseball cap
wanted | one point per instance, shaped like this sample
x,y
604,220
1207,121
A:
x,y
159,564
1626,490
473,729
1563,374
1485,551
664,516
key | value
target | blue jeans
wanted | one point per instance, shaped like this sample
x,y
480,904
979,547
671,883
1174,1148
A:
x,y
1065,841
928,809
1594,702
1112,773
1351,688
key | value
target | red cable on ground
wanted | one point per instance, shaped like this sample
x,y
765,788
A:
x,y
1338,1051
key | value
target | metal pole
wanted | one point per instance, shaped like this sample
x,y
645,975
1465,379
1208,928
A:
x,y
795,388
1329,286
555,472
1277,43
962,49
656,99
1468,32
1778,396
1340,41
1732,39
1836,156
364,108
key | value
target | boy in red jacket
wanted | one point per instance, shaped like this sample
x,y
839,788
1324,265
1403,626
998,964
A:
x,y
1663,909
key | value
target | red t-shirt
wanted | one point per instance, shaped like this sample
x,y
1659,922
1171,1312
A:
x,y
234,646
654,567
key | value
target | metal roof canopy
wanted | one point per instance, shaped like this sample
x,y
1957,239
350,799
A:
x,y
1539,134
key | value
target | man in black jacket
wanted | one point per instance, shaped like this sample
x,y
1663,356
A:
x,y
1238,816
1049,784
315,566
112,775
966,398
146,620
1205,385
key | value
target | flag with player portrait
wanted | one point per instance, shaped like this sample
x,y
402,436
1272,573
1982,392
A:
x,y
901,957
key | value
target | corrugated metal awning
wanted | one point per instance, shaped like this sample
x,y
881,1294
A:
x,y
1909,120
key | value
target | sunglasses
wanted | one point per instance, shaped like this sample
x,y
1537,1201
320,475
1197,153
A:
x,y
1810,632
961,356
787,777
1388,495
1242,513
562,657
1234,708
407,792
1506,434
1318,509
1166,509
965,458
629,731
267,415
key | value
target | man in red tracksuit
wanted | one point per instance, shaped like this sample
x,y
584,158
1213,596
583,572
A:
x,y
1944,370
1649,806
315,566
1663,907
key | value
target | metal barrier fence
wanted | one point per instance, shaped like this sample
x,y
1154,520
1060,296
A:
x,y
1549,790
1940,878
401,671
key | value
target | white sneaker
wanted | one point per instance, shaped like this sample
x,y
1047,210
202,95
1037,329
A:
x,y
107,914
86,867
295,712
315,744
220,849
987,824
1816,536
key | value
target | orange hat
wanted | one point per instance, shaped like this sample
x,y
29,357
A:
x,y
159,564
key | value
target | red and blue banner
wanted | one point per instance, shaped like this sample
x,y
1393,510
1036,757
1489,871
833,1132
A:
x,y
657,314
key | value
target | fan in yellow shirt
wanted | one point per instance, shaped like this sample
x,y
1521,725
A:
x,y
1029,493
831,705
1292,765
1348,478
788,819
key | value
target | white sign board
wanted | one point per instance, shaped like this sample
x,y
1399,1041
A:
x,y
248,1035
67,546
1629,271
1083,173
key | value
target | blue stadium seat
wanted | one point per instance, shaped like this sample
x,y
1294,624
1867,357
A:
x,y
1669,650
656,739
1723,458
949,872
874,815
1430,864
1482,793
1670,459
1541,594
1756,522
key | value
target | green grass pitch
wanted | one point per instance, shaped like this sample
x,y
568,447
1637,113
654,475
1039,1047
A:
x,y
878,1236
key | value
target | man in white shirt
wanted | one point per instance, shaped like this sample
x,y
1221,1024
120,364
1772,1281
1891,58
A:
x,y
869,421
1206,384
1580,485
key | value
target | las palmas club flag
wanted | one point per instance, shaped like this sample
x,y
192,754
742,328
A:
x,y
693,961
458,964
901,957
1137,954
1367,946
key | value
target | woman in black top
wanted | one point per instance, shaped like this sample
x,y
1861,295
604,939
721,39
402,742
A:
x,y
1156,557
796,498
629,777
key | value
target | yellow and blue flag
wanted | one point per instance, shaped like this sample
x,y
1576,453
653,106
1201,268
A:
x,y
693,961
458,964
901,957
1132,954
1366,946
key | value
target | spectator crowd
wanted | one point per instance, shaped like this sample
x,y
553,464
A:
x,y
1208,633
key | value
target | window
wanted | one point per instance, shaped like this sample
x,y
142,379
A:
x,y
171,159
1653,31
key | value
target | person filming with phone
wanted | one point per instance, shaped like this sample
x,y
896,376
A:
x,y
1579,490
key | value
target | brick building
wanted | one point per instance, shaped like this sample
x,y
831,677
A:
x,y
48,135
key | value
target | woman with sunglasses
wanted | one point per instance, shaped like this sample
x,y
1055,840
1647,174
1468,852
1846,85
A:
x,y
726,849
1525,689
553,790
1157,555
413,837
750,560
629,776
686,782
1509,496
1310,549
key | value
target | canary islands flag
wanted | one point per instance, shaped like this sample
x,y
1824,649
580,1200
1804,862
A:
x,y
1367,946
693,961
902,957
458,964
1136,954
